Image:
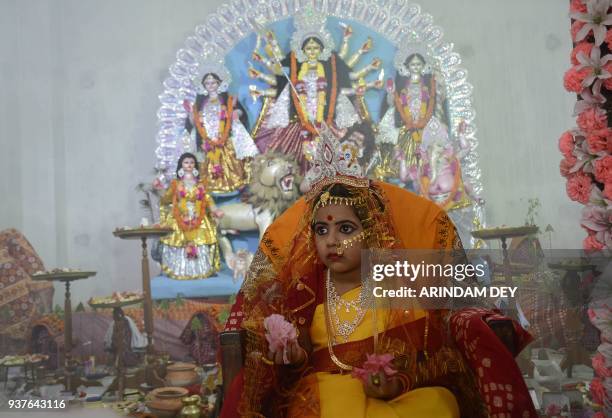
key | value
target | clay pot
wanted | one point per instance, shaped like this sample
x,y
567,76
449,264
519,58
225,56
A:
x,y
166,402
181,374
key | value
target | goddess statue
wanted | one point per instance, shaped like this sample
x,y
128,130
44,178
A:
x,y
219,121
191,251
314,90
414,109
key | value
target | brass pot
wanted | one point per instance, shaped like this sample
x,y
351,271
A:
x,y
166,402
181,374
191,407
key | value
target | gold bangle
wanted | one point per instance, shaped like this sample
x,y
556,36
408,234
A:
x,y
267,360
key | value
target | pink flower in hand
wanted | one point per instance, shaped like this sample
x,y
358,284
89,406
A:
x,y
279,334
375,363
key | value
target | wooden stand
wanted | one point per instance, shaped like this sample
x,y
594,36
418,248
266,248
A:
x,y
576,353
142,234
71,381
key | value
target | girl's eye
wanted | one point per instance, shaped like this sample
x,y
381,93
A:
x,y
321,230
346,228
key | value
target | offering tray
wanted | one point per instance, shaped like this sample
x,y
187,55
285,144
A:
x,y
117,304
503,232
141,232
62,275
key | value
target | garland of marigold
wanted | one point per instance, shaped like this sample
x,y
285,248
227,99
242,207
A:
x,y
200,208
409,122
225,125
297,104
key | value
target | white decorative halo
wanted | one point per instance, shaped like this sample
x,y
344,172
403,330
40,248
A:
x,y
407,49
311,24
398,21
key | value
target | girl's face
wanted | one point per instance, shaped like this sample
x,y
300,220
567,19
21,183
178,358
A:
x,y
211,84
188,165
333,225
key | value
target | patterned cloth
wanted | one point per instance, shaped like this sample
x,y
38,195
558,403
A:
x,y
21,299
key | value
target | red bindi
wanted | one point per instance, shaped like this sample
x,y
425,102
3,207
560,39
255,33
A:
x,y
330,218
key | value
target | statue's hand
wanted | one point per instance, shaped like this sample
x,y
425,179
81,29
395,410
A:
x,y
218,213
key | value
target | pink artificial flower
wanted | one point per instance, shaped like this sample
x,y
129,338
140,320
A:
x,y
603,169
600,366
607,192
598,392
564,167
566,143
578,6
279,334
583,48
573,79
375,363
590,243
191,251
592,119
589,100
609,39
217,171
578,187
575,28
596,143
598,221
598,67
595,19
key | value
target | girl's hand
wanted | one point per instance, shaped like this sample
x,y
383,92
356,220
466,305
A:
x,y
380,386
296,355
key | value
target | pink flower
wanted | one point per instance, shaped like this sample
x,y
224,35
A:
x,y
217,171
578,187
597,390
603,169
597,143
589,100
583,48
607,192
598,221
564,167
600,366
375,363
596,18
279,334
609,39
598,68
191,251
576,27
591,243
566,143
573,79
578,6
592,119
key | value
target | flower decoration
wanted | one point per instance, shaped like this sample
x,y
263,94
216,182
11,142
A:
x,y
595,20
279,334
375,363
586,149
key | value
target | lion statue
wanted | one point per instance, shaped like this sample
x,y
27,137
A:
x,y
273,188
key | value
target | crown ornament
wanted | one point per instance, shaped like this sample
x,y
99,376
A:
x,y
407,49
213,63
311,24
332,163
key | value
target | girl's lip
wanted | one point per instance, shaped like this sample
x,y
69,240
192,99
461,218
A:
x,y
333,256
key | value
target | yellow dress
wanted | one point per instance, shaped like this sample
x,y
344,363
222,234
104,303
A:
x,y
176,263
341,395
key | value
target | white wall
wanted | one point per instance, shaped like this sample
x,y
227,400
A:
x,y
79,81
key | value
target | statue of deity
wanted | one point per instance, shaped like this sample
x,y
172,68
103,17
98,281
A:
x,y
216,124
191,251
414,110
309,87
